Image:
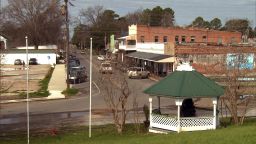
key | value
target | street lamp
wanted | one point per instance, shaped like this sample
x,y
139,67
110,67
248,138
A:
x,y
90,111
27,65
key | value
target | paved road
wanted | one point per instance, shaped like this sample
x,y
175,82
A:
x,y
46,115
58,112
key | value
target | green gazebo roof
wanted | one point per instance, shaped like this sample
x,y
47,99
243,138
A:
x,y
185,84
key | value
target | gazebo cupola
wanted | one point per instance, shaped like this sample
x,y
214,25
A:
x,y
184,83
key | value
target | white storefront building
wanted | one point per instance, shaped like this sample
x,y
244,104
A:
x,y
43,56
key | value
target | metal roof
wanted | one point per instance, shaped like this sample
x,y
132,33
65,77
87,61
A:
x,y
148,56
18,51
185,84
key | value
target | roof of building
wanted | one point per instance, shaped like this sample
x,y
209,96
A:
x,y
185,84
11,51
148,56
2,36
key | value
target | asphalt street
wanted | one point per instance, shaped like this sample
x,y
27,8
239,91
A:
x,y
50,113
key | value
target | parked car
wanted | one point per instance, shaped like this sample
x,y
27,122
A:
x,y
82,52
101,58
33,61
106,68
74,62
137,72
77,74
18,62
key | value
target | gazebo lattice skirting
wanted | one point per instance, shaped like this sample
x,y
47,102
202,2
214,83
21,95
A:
x,y
182,123
182,84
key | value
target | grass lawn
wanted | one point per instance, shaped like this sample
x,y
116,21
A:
x,y
245,134
43,91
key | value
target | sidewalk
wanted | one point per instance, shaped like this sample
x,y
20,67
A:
x,y
58,82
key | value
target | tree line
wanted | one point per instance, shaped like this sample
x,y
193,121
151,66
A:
x,y
240,25
42,22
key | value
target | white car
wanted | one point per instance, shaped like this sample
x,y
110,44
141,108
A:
x,y
101,58
137,72
106,68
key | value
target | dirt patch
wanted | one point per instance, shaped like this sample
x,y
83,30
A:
x,y
14,78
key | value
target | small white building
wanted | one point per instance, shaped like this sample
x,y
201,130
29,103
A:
x,y
4,41
54,47
43,56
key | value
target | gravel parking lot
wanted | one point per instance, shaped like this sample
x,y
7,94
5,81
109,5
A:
x,y
13,78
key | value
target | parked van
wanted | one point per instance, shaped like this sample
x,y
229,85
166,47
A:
x,y
77,74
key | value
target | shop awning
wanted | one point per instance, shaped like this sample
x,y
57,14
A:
x,y
160,58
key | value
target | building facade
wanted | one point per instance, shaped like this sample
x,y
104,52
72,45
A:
x,y
144,44
43,56
144,34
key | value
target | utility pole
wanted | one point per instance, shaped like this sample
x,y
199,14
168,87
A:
x,y
67,41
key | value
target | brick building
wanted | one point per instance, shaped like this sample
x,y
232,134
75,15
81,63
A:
x,y
145,43
142,34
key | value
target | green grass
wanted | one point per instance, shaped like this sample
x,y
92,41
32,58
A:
x,y
70,92
106,135
43,91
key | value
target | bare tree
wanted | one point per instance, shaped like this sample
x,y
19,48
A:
x,y
116,94
40,20
92,14
234,73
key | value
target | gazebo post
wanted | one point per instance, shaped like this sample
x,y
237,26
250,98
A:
x,y
214,102
150,111
178,103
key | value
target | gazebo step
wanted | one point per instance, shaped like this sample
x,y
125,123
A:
x,y
158,130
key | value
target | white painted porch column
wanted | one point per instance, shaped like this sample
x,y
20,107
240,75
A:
x,y
178,103
214,102
150,111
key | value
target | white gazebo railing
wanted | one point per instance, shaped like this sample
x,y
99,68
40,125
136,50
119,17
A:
x,y
186,123
196,123
164,122
179,123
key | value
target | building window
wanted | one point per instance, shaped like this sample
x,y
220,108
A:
x,y
183,39
219,40
204,39
156,38
176,39
165,39
192,39
142,39
131,42
233,40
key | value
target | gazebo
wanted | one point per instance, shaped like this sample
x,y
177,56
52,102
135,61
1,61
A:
x,y
184,83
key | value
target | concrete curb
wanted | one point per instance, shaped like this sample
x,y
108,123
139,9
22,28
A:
x,y
30,100
153,79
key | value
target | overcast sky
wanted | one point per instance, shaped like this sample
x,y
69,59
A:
x,y
185,10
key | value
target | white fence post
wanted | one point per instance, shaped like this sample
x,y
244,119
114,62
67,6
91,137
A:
x,y
214,102
150,112
178,102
